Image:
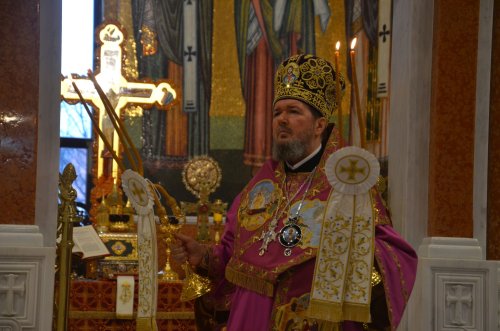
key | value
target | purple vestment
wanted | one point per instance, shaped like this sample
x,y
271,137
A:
x,y
271,290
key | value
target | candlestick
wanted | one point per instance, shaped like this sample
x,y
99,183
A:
x,y
359,115
337,89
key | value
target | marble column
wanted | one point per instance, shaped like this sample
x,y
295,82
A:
x,y
411,72
456,289
438,156
493,173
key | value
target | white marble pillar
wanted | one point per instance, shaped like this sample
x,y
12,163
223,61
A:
x,y
411,65
456,289
48,119
482,124
26,279
408,141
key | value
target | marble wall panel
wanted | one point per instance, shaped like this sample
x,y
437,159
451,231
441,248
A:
x,y
19,67
456,25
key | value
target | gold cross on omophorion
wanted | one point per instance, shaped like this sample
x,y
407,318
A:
x,y
352,170
138,191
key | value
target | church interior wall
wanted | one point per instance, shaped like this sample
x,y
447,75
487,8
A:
x,y
19,109
438,109
452,118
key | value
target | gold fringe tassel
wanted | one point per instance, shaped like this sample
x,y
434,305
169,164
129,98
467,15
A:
x,y
356,312
326,311
249,282
335,312
146,324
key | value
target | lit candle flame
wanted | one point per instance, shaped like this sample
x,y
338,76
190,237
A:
x,y
353,43
337,45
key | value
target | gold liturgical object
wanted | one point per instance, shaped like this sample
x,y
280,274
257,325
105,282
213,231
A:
x,y
194,285
67,216
191,289
168,228
202,176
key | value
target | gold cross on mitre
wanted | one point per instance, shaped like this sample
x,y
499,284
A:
x,y
118,90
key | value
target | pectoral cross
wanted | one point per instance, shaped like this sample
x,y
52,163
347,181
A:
x,y
119,91
267,237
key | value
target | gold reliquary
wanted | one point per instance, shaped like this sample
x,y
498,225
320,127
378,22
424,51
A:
x,y
123,259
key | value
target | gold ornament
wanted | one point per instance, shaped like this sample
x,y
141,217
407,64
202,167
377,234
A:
x,y
168,229
201,175
194,285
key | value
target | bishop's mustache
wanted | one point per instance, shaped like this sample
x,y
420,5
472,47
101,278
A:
x,y
283,129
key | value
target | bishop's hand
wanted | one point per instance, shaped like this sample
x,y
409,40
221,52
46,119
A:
x,y
187,249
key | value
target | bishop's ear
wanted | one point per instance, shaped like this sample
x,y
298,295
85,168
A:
x,y
321,124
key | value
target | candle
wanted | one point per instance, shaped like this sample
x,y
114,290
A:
x,y
359,115
337,89
217,218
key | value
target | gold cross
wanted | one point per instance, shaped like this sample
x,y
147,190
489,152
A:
x,y
138,191
267,237
352,170
118,89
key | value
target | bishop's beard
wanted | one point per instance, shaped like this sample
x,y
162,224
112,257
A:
x,y
289,151
294,150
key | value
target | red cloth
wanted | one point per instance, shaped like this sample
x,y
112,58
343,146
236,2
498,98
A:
x,y
98,298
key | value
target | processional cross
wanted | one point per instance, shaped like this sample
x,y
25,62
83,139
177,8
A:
x,y
119,91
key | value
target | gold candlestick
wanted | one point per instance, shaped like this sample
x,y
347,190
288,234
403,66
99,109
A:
x,y
168,229
194,285
359,114
217,224
219,209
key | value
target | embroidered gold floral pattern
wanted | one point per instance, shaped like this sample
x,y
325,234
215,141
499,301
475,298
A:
x,y
313,82
341,286
147,276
